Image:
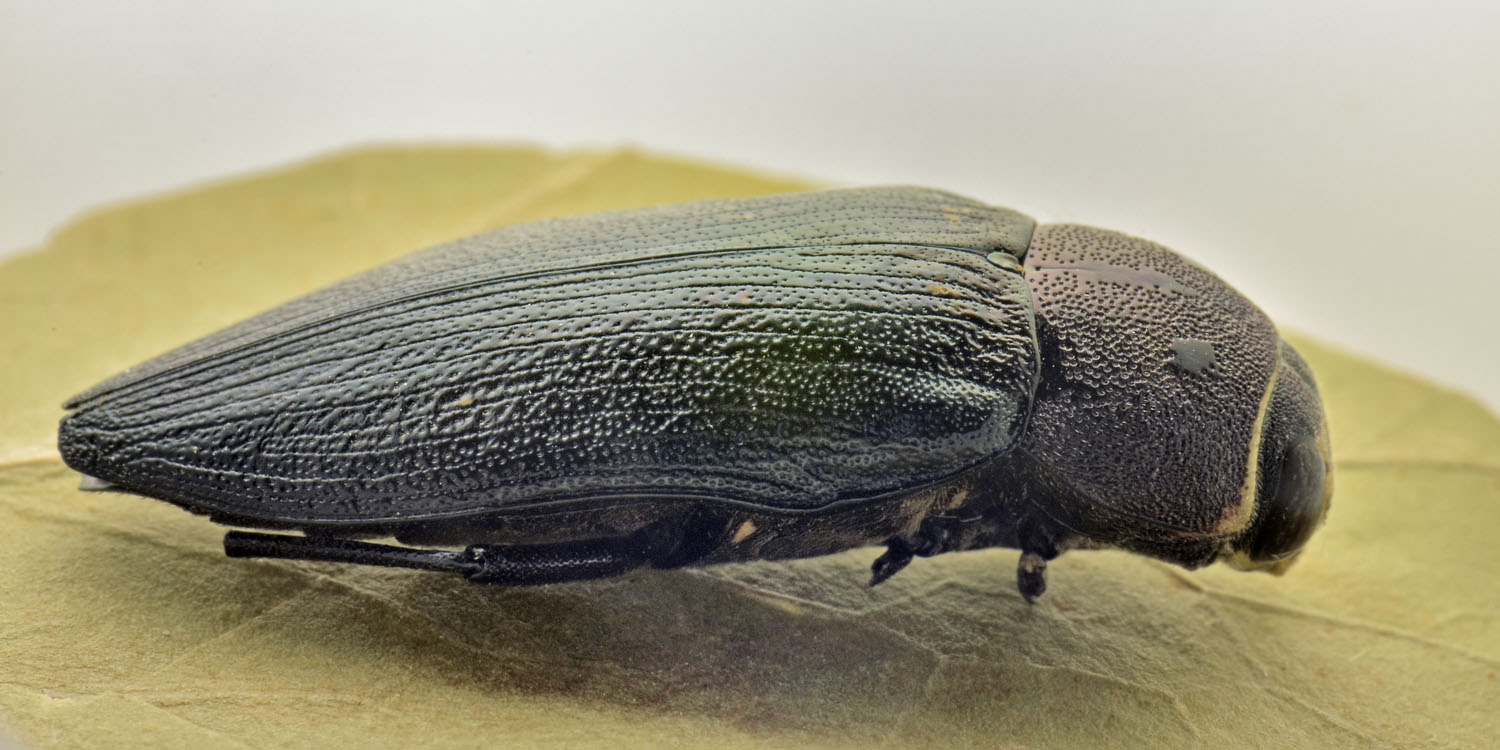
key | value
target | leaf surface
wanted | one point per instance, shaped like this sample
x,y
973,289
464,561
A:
x,y
122,619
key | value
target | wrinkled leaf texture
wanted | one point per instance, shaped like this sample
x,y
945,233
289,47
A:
x,y
121,621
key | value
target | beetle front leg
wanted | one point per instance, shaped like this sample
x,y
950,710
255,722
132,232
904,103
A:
x,y
1031,572
1031,576
934,536
897,555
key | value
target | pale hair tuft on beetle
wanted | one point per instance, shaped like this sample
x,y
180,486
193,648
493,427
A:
x,y
764,378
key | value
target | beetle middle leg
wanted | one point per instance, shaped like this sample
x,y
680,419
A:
x,y
934,536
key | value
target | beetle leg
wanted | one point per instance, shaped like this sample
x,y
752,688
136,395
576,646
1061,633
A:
x,y
1031,571
934,536
328,549
1031,576
533,564
660,545
897,555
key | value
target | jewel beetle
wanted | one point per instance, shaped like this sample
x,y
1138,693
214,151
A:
x,y
752,379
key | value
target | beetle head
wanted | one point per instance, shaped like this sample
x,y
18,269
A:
x,y
1294,481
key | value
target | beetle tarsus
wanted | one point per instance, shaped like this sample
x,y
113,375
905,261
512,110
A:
x,y
934,536
1038,545
1031,576
897,555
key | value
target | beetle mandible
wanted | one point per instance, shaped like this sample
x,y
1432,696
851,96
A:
x,y
765,378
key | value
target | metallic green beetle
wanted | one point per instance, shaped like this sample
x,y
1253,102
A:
x,y
767,378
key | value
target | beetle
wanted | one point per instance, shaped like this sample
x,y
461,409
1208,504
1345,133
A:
x,y
751,379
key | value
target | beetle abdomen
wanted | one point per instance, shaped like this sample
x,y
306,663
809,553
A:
x,y
788,352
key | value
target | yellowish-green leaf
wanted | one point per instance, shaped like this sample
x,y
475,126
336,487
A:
x,y
120,620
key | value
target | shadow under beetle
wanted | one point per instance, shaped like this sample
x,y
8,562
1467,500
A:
x,y
767,378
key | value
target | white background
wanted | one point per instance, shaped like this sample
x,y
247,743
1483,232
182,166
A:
x,y
1337,161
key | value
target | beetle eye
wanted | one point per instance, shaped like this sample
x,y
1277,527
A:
x,y
1295,510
